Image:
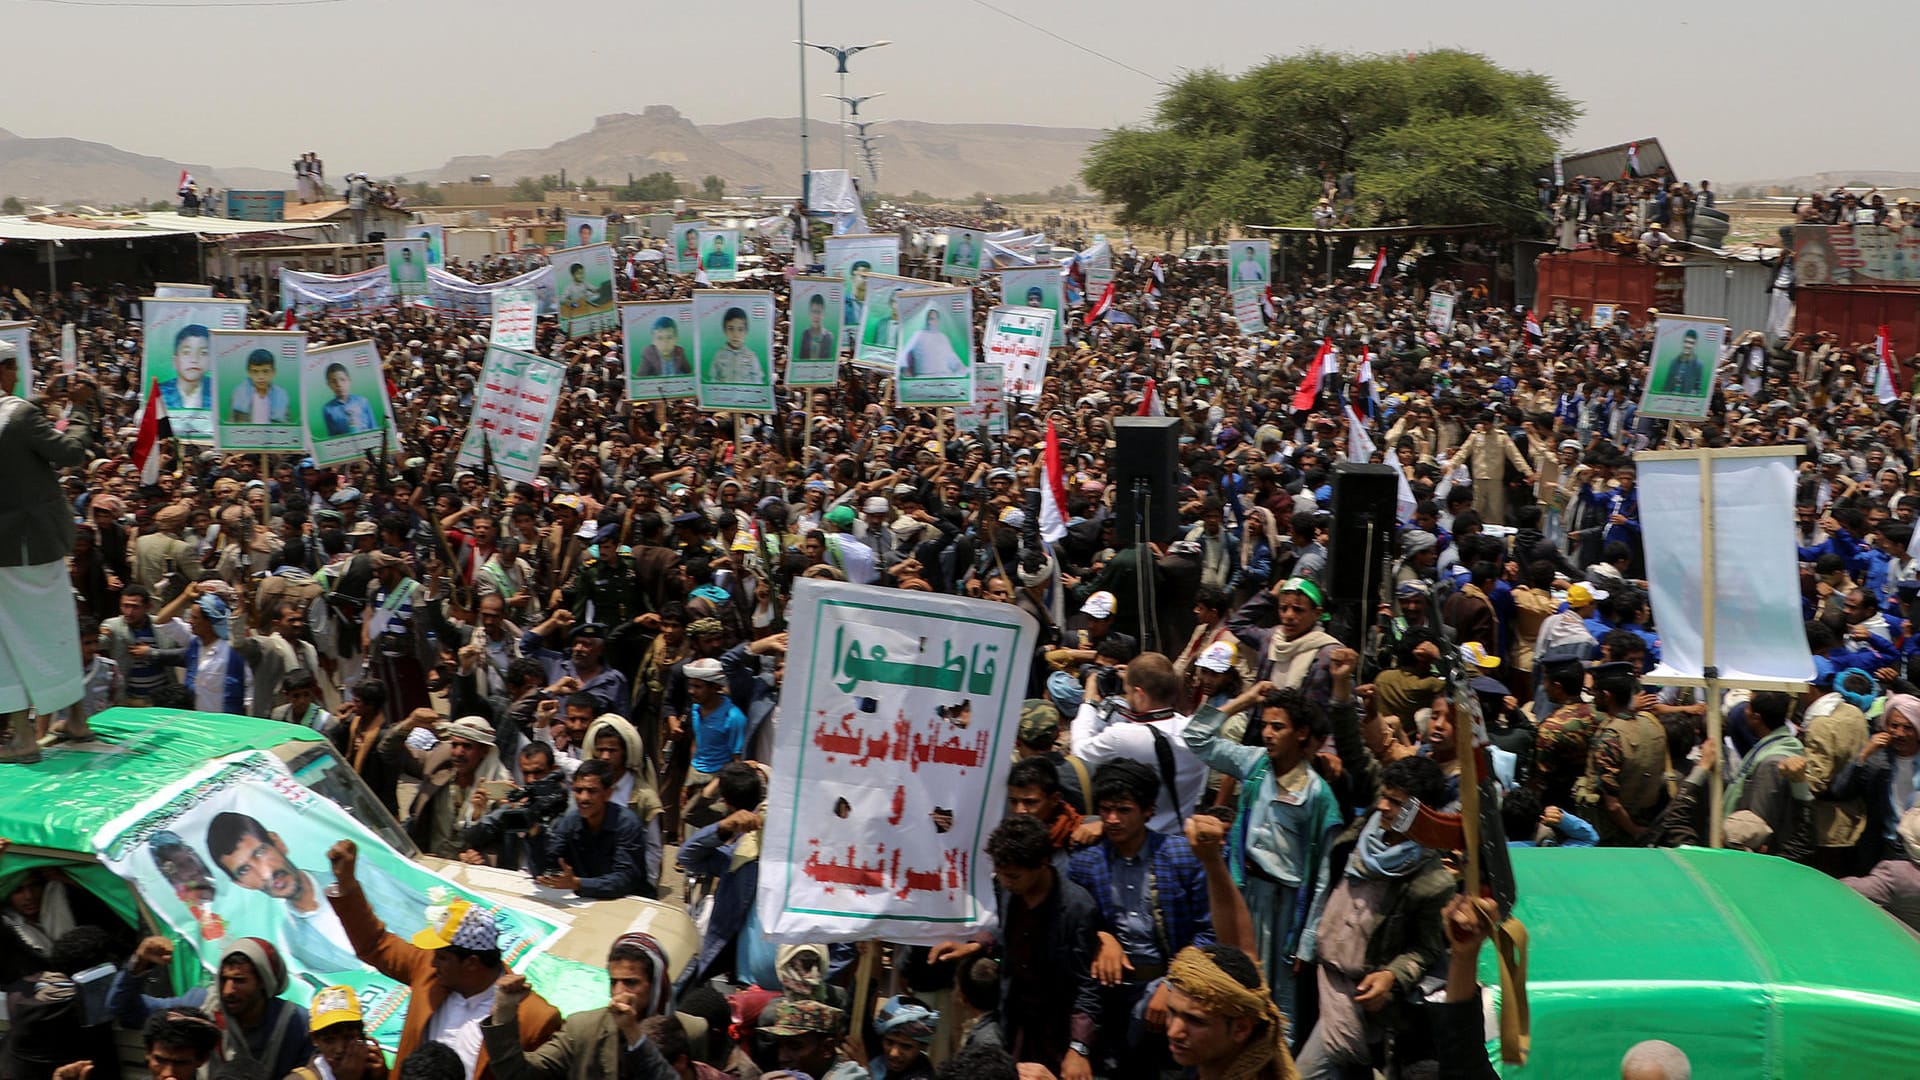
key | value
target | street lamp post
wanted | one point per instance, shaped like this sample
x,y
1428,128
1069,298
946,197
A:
x,y
841,54
806,166
850,105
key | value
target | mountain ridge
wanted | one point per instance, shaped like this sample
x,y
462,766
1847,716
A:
x,y
954,160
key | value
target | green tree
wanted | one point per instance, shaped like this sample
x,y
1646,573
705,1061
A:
x,y
653,187
12,205
589,184
713,187
1444,137
526,189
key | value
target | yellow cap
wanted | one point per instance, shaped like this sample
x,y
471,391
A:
x,y
1473,654
335,1005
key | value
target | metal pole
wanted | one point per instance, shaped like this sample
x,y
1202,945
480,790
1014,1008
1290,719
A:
x,y
1716,794
843,115
806,167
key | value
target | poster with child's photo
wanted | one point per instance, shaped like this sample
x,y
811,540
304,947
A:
x,y
733,343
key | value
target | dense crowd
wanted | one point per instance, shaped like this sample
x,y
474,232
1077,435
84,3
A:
x,y
1206,861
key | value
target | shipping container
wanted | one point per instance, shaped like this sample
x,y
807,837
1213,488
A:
x,y
1580,279
1853,314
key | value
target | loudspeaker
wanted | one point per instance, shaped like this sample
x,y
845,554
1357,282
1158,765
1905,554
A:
x,y
1360,539
1146,448
376,237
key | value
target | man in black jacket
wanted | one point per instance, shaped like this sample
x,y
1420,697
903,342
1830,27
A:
x,y
597,851
1046,940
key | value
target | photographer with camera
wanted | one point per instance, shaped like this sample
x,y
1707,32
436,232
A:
x,y
502,837
1142,724
597,850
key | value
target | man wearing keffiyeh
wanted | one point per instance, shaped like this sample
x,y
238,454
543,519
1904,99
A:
x,y
606,1044
1222,1022
906,1028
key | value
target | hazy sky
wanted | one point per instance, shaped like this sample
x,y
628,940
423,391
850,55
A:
x,y
383,85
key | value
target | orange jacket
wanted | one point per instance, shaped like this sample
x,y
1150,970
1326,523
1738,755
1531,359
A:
x,y
405,962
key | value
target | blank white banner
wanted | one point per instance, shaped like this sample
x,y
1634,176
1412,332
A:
x,y
1757,627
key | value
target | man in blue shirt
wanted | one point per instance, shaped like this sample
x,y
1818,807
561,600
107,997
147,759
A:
x,y
719,734
1151,894
597,849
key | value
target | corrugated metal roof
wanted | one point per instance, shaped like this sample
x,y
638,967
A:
x,y
126,226
313,211
1379,230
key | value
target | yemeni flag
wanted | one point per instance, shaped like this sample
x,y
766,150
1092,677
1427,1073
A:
x,y
1360,445
186,178
1365,378
1267,306
1310,385
1633,160
1533,325
1150,405
1053,490
1885,387
1379,268
1102,306
287,323
1156,281
153,427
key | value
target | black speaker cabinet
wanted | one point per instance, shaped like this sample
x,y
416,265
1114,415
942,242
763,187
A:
x,y
1146,448
1360,540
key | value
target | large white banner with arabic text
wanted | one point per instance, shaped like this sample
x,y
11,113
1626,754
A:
x,y
896,721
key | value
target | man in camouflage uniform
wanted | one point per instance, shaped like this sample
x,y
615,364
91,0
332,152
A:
x,y
807,1036
603,588
1560,745
1627,776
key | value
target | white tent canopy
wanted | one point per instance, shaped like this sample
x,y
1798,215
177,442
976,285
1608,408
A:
x,y
130,226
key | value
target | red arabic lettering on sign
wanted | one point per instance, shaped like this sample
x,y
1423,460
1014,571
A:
x,y
887,872
901,743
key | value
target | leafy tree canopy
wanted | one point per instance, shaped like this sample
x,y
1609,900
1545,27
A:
x,y
1444,137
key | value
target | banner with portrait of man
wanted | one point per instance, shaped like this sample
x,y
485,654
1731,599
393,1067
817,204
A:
x,y
406,265
1686,349
1038,287
344,391
684,253
20,336
935,358
720,254
177,351
586,230
851,258
256,391
435,237
733,349
880,335
583,289
239,849
1249,264
965,248
658,338
815,307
